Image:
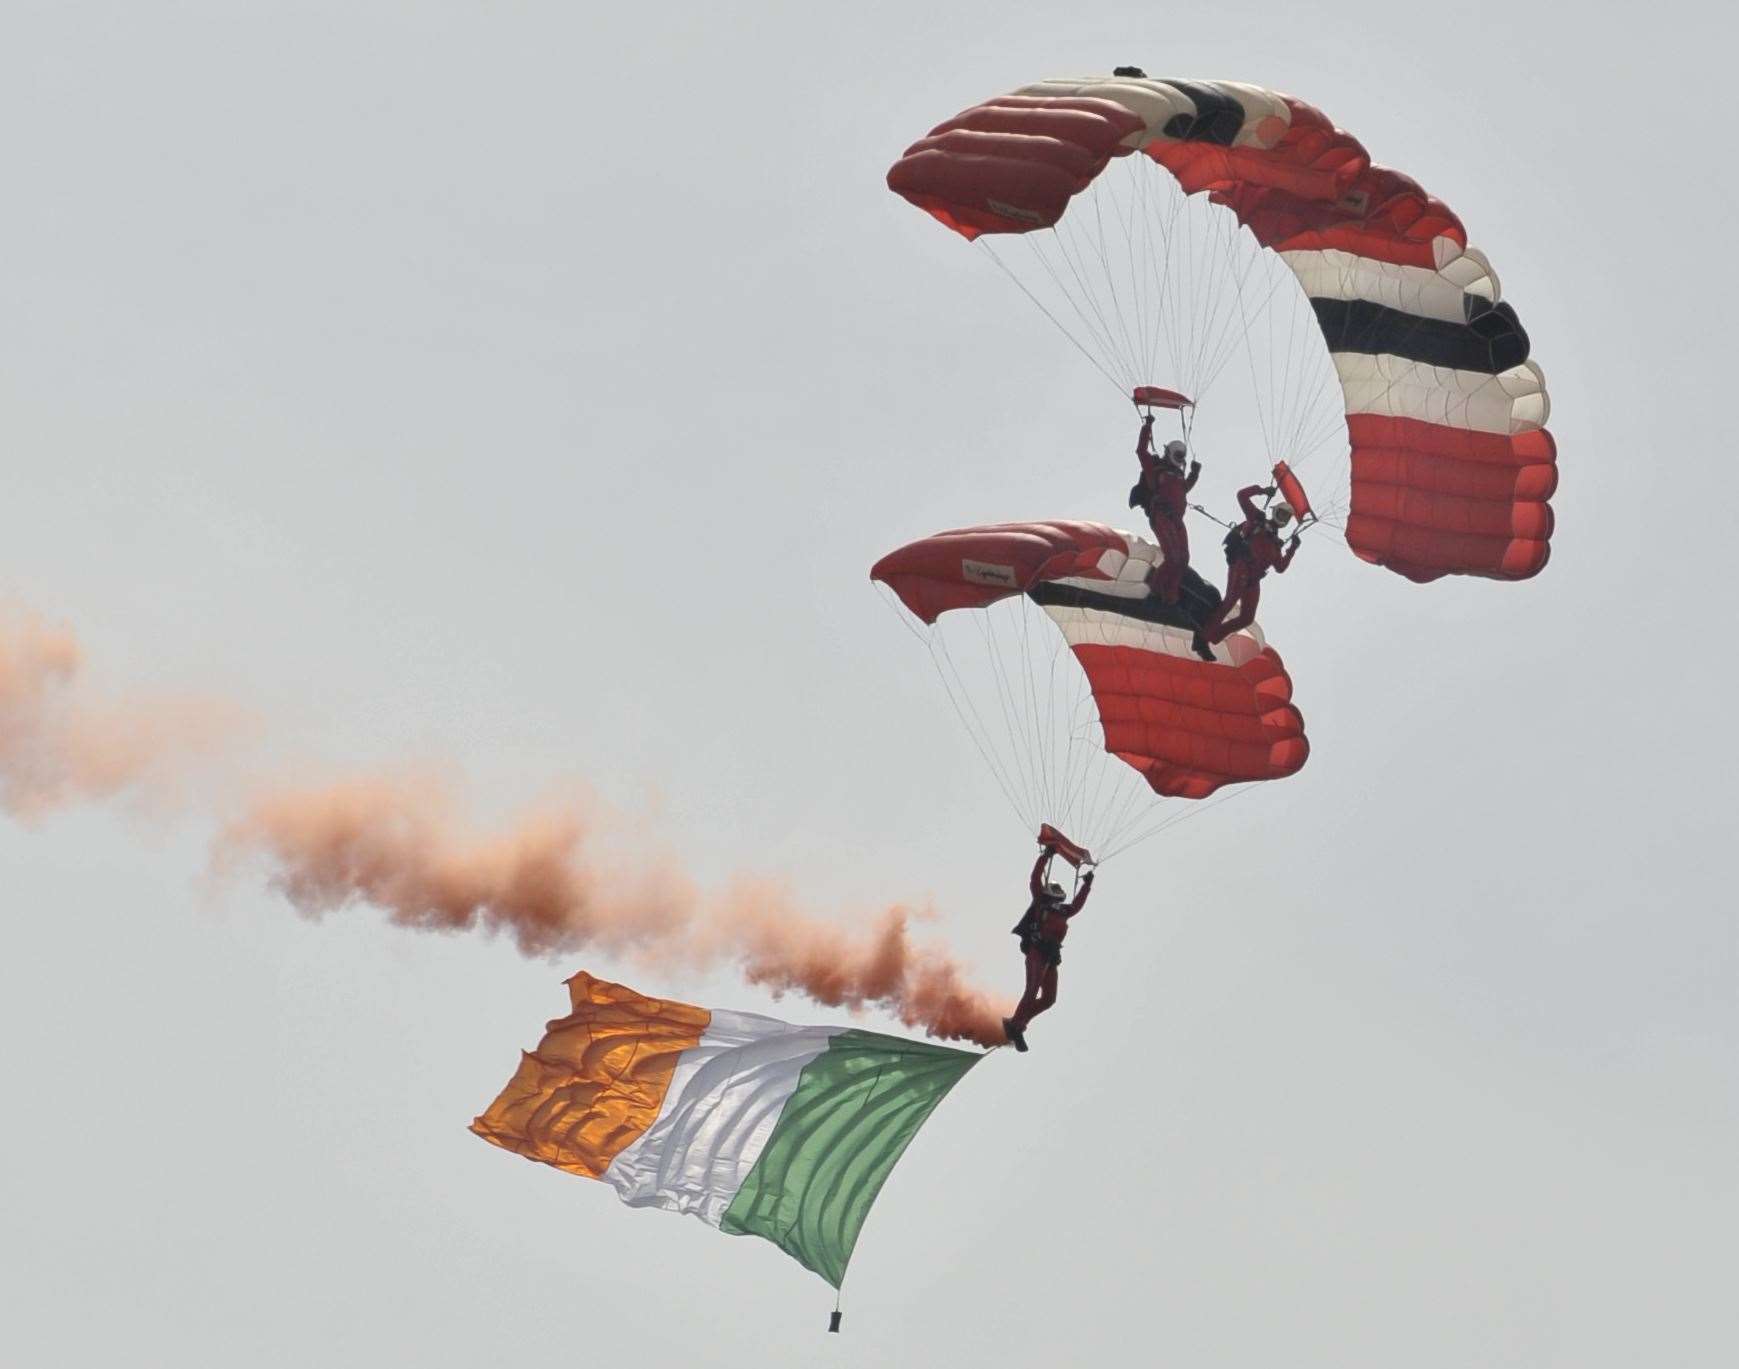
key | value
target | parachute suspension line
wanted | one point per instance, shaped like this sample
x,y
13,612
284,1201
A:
x,y
1041,740
936,646
1132,797
1046,685
1162,221
1031,712
1218,266
1124,210
1167,322
1078,762
1321,414
1256,385
1173,819
1302,411
1224,271
975,728
1096,765
1012,785
1287,375
1095,811
1012,724
1094,243
1062,328
1066,780
1332,419
1113,288
1231,337
1191,312
1080,740
1153,291
1072,252
1061,728
1215,331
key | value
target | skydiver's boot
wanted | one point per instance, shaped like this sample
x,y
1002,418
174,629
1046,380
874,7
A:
x,y
1017,1037
1200,644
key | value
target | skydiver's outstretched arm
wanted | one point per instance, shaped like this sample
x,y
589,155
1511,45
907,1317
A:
x,y
1081,897
1286,557
1144,446
1037,882
1247,501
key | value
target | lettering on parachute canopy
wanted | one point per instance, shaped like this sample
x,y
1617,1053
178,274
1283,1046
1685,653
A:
x,y
983,573
1013,211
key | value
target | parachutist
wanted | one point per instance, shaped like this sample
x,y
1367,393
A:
x,y
1162,494
1041,930
1252,550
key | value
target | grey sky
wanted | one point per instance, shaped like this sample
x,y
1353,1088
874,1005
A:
x,y
529,388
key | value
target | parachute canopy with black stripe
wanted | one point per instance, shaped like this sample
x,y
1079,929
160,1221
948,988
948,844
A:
x,y
1450,468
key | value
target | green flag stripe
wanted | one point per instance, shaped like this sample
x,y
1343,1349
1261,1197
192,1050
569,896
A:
x,y
856,1107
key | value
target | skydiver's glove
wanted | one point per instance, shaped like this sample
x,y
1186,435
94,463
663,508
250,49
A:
x,y
1195,466
1294,542
1270,491
1147,421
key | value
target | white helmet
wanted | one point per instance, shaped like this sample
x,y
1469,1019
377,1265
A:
x,y
1175,452
1054,892
1281,513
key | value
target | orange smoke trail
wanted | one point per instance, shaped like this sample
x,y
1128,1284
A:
x,y
58,749
396,846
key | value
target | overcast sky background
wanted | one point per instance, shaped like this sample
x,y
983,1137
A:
x,y
527,389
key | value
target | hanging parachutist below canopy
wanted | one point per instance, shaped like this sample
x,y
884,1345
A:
x,y
1252,550
1162,494
1042,928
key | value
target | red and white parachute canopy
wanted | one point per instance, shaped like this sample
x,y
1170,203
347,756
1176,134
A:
x,y
1135,692
1250,224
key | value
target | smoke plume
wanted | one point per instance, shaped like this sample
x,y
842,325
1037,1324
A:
x,y
397,843
57,748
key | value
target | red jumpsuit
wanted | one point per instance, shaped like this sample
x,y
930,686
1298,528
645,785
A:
x,y
1165,492
1041,937
1244,573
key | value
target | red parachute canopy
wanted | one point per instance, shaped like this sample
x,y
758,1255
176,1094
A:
x,y
1451,465
1186,725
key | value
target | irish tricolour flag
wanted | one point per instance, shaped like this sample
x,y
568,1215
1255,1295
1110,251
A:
x,y
753,1125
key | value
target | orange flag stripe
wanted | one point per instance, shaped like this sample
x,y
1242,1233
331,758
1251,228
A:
x,y
596,1081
